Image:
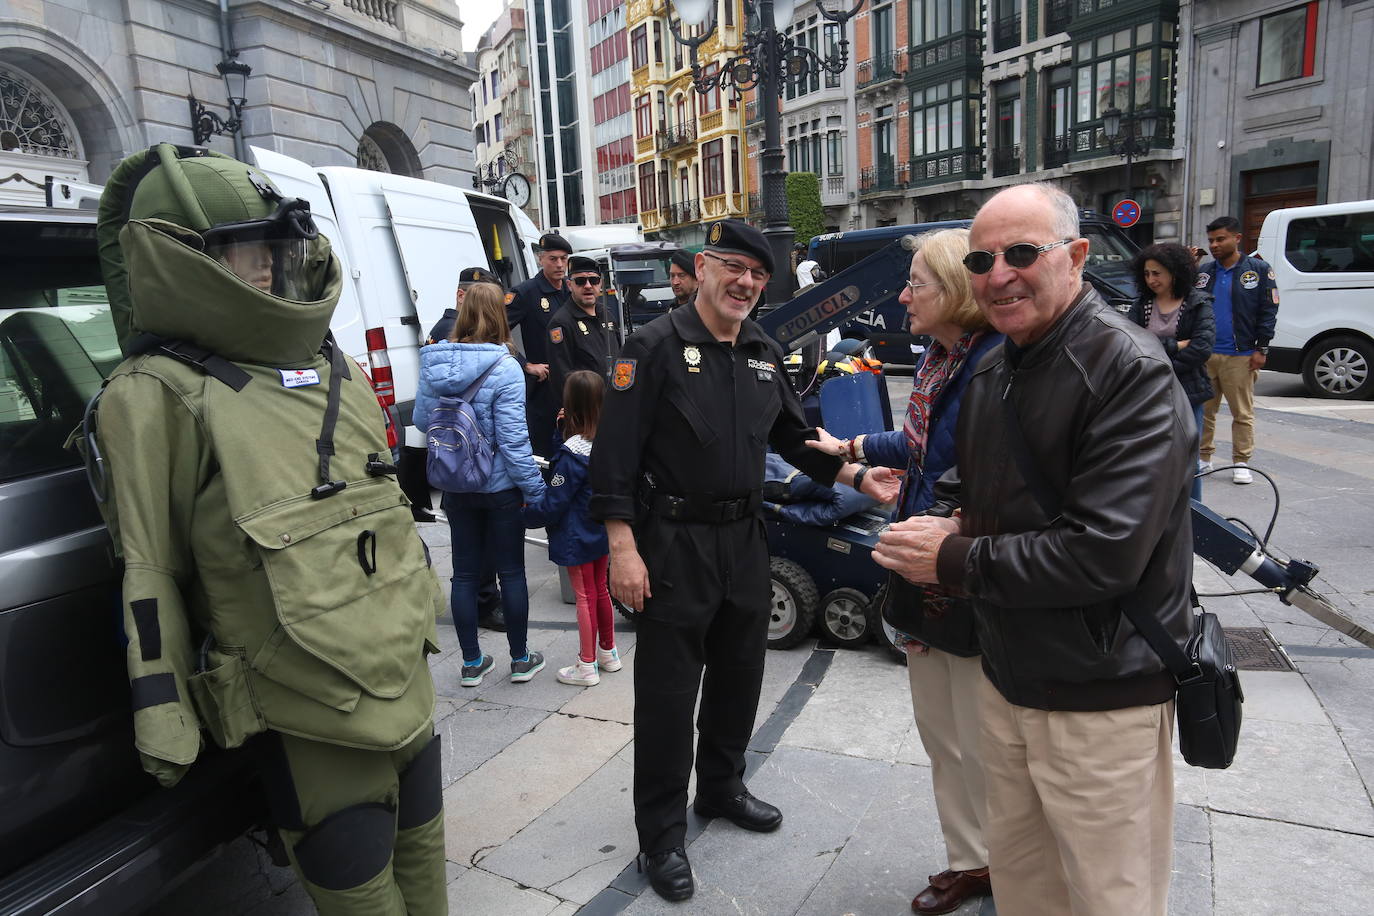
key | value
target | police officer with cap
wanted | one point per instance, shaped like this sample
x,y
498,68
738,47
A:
x,y
466,278
695,399
682,277
581,333
529,307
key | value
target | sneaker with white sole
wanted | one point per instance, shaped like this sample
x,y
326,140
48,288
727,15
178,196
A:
x,y
582,674
473,674
522,671
1203,466
1241,475
608,659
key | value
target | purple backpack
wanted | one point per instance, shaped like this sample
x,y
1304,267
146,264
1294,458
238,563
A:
x,y
460,456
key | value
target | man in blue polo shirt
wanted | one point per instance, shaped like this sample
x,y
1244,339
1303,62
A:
x,y
1246,302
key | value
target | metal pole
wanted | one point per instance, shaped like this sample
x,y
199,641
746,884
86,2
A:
x,y
773,168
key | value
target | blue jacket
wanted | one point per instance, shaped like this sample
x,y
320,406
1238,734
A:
x,y
1254,310
888,449
574,538
446,369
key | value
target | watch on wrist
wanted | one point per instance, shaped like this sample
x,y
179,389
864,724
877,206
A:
x,y
859,477
1263,351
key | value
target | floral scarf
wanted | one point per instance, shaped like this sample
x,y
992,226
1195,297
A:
x,y
939,366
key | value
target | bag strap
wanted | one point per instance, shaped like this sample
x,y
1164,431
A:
x,y
1148,625
467,393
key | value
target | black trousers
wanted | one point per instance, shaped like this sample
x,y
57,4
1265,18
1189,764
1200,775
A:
x,y
707,625
541,409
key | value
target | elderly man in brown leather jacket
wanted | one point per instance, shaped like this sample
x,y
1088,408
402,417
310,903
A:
x,y
1077,709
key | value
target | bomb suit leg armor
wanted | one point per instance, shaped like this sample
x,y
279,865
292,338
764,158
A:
x,y
276,595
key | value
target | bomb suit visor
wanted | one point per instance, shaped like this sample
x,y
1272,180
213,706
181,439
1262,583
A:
x,y
268,254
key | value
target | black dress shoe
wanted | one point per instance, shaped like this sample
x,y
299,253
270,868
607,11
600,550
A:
x,y
670,874
494,619
422,515
744,810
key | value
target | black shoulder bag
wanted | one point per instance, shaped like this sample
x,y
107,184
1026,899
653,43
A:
x,y
1208,703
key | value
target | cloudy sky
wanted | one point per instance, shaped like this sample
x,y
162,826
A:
x,y
476,16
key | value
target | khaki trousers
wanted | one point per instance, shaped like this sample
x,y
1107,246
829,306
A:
x,y
1232,379
944,697
1080,808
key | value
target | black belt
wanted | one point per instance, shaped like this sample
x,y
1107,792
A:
x,y
702,508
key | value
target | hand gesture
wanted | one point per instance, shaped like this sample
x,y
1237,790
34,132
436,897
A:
x,y
909,547
883,484
824,442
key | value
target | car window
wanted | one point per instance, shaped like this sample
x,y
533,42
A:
x,y
57,345
1339,243
1106,247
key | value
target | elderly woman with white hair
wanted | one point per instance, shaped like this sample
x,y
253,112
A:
x,y
936,628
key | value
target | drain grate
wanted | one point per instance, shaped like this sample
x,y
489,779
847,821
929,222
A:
x,y
1254,649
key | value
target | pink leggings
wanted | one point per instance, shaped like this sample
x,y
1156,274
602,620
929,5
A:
x,y
594,613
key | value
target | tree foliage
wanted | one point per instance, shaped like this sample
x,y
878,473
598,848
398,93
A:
x,y
804,205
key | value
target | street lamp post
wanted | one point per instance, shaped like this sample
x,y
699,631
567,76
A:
x,y
1120,131
766,59
206,124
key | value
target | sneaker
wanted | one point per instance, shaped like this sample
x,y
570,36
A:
x,y
608,659
582,674
520,672
473,674
1241,475
1203,466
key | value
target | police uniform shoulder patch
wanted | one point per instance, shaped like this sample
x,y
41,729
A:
x,y
1249,279
510,297
556,335
623,374
557,480
1202,279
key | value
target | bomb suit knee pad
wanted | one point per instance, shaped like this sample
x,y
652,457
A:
x,y
349,848
421,796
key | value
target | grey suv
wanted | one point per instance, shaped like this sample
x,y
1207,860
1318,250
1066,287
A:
x,y
82,829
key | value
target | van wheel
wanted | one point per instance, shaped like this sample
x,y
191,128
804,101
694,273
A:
x,y
792,607
844,618
1340,367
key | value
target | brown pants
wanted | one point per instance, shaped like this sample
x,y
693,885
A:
x,y
944,696
1080,808
1232,379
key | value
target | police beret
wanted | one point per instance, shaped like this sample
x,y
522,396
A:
x,y
580,265
731,236
552,241
685,260
477,275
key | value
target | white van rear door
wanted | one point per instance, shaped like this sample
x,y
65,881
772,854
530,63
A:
x,y
436,238
296,179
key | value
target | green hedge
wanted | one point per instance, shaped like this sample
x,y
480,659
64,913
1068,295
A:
x,y
804,205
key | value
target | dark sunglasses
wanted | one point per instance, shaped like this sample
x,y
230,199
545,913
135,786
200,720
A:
x,y
586,281
1020,256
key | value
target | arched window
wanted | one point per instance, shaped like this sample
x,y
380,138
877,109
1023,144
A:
x,y
32,121
370,155
384,147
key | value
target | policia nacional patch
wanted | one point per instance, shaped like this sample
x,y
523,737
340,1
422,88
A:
x,y
623,375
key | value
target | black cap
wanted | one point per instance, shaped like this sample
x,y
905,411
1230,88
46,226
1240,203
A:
x,y
686,261
731,236
552,241
578,264
472,275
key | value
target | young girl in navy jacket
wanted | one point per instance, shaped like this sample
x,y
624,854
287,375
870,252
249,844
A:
x,y
575,540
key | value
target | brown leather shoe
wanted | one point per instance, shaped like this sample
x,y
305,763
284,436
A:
x,y
948,889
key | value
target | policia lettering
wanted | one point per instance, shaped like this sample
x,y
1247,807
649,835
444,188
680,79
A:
x,y
276,592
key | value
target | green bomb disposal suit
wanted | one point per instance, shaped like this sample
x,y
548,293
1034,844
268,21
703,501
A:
x,y
295,624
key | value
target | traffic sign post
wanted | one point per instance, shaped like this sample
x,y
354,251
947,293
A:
x,y
1126,213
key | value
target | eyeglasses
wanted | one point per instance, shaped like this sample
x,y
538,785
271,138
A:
x,y
586,281
735,267
1020,256
915,286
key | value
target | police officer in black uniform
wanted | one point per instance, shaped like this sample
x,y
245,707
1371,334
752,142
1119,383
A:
x,y
582,334
695,399
529,307
682,277
466,278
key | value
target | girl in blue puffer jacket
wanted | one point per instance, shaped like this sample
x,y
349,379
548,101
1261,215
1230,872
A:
x,y
575,539
487,525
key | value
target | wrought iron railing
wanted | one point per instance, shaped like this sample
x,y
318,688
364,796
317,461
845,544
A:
x,y
1006,160
675,135
879,68
1056,150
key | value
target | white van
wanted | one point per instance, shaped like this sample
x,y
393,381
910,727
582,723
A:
x,y
402,242
1323,260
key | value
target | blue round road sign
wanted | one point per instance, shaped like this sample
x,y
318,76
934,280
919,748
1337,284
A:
x,y
1126,214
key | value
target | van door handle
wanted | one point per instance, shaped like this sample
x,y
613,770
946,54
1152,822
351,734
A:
x,y
410,319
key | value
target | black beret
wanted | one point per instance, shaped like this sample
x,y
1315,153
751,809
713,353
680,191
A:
x,y
552,241
577,264
731,236
477,275
686,261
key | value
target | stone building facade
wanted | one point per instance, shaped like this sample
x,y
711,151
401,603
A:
x,y
1291,123
333,82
